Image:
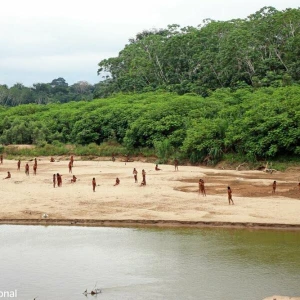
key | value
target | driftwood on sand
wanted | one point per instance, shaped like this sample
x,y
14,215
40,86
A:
x,y
240,165
268,170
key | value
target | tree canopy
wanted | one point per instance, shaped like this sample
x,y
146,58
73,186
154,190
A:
x,y
259,51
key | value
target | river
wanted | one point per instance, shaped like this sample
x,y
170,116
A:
x,y
57,262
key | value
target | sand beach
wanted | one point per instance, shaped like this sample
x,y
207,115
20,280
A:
x,y
170,198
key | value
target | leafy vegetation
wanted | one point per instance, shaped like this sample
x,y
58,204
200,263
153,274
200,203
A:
x,y
256,124
259,51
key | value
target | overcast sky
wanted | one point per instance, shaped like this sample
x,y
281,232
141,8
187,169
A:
x,y
42,40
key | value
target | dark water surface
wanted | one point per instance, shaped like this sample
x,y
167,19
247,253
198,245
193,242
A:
x,y
57,262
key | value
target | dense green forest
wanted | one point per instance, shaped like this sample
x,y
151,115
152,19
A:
x,y
257,124
223,88
259,51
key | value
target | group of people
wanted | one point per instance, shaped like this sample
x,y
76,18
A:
x,y
229,191
26,168
57,178
135,172
203,191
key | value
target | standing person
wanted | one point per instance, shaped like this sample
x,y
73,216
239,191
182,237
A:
x,y
19,165
59,180
176,163
202,187
135,172
1,159
117,181
72,160
274,187
113,158
8,175
299,186
35,161
74,178
144,177
54,180
70,166
27,169
94,184
229,192
34,169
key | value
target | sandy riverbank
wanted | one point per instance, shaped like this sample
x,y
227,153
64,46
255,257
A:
x,y
169,199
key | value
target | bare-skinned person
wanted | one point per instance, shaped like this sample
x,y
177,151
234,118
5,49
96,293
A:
x,y
27,169
144,177
176,163
34,169
202,187
229,192
72,160
117,181
59,179
54,180
19,165
94,184
8,175
70,166
135,172
74,178
1,159
52,159
157,168
35,161
274,187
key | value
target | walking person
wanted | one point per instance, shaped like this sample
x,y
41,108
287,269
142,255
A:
x,y
202,187
229,192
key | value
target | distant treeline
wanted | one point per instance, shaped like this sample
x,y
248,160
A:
x,y
254,123
260,51
57,91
